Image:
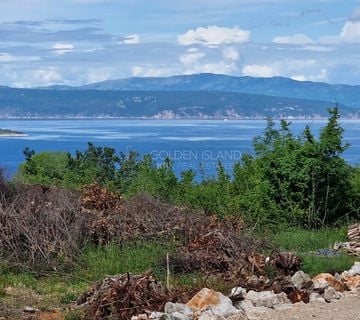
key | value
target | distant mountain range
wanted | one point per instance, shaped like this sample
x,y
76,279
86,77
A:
x,y
204,96
276,86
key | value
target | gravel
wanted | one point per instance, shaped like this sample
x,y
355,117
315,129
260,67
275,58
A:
x,y
347,308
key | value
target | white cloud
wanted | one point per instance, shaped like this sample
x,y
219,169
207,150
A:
x,y
191,58
296,39
231,54
321,76
297,69
328,21
299,77
318,48
131,39
192,50
46,76
351,32
97,75
62,48
220,67
138,71
214,36
193,61
5,57
255,70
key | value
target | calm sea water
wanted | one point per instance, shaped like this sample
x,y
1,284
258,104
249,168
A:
x,y
192,144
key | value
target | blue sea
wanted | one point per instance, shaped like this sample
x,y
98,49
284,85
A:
x,y
191,144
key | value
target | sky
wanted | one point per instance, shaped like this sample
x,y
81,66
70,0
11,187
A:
x,y
75,42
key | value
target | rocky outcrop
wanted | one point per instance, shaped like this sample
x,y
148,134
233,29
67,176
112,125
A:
x,y
209,304
352,277
325,280
300,279
266,299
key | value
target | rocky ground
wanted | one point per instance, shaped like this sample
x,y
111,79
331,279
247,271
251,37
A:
x,y
347,308
323,297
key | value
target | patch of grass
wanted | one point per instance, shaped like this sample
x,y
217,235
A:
x,y
197,280
188,280
26,279
73,315
300,240
137,257
42,292
68,297
305,243
314,265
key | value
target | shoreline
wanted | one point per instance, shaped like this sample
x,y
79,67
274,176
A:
x,y
7,135
179,118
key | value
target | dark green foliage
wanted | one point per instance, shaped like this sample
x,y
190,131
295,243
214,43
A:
x,y
96,164
355,189
299,181
47,168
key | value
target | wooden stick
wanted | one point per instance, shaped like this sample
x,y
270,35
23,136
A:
x,y
167,271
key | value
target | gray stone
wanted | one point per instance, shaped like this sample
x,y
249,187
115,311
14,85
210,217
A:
x,y
299,279
245,305
330,294
208,315
354,270
238,292
179,316
178,307
31,310
224,308
266,298
209,304
159,316
316,297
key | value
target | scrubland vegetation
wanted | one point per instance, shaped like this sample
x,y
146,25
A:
x,y
292,180
67,220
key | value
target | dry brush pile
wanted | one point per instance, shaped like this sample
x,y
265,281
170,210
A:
x,y
46,226
40,226
123,296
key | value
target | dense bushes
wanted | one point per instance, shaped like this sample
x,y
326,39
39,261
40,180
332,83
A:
x,y
300,179
295,180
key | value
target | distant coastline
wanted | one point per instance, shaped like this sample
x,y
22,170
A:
x,y
161,117
11,133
